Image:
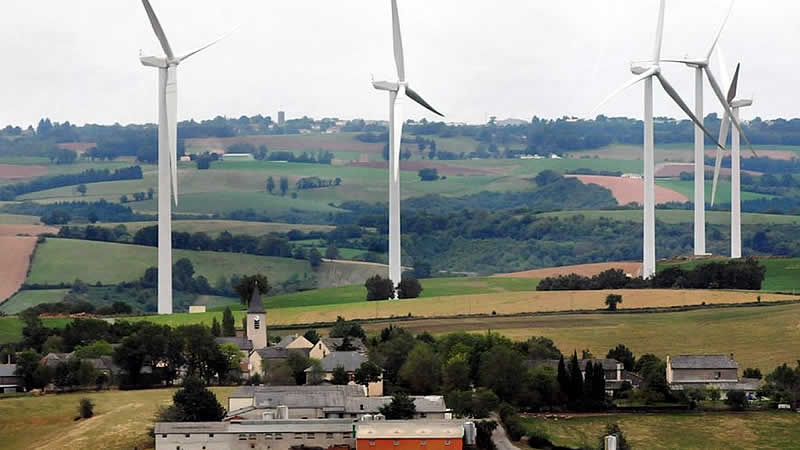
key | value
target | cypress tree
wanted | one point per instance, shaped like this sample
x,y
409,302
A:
x,y
216,330
228,323
575,379
563,376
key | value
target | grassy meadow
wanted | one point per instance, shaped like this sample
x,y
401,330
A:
x,y
723,190
26,299
64,260
121,419
728,430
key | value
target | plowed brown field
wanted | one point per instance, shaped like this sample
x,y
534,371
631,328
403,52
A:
x,y
631,190
587,270
15,255
14,171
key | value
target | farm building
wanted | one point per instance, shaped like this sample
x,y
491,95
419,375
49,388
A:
x,y
238,157
700,371
269,434
410,435
9,381
321,402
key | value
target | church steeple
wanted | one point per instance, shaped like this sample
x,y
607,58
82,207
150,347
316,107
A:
x,y
256,320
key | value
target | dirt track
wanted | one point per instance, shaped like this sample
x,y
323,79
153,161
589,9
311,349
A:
x,y
587,270
631,190
14,171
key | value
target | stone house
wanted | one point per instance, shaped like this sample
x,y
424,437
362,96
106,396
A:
x,y
701,371
326,346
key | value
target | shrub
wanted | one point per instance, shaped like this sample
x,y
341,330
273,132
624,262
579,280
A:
x,y
737,400
86,408
409,287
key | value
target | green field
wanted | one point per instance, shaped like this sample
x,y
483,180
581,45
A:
x,y
64,260
15,219
724,430
108,190
121,419
681,216
723,190
26,299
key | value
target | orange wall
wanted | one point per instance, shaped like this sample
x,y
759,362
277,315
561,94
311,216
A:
x,y
409,444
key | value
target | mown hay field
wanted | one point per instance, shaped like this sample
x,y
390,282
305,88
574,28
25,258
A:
x,y
121,420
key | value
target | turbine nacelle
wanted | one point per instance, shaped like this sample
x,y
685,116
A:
x,y
637,69
154,61
390,86
741,103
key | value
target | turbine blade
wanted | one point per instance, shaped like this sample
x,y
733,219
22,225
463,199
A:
x,y
162,37
734,85
417,98
659,30
399,59
171,100
717,167
719,33
223,37
397,126
718,92
679,101
616,92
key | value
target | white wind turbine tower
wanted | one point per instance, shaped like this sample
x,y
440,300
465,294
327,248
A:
x,y
646,74
736,169
701,66
167,152
398,90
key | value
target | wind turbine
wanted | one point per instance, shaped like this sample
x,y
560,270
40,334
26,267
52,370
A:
x,y
736,168
647,74
701,66
398,90
167,66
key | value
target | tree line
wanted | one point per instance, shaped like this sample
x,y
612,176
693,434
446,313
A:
x,y
746,274
11,191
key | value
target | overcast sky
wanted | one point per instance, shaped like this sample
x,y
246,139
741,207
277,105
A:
x,y
78,60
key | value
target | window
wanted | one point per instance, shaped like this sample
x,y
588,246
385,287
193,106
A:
x,y
423,442
396,443
328,435
372,443
256,323
211,435
310,436
447,442
362,406
251,437
347,435
423,415
242,437
278,436
267,435
163,436
717,375
298,435
188,435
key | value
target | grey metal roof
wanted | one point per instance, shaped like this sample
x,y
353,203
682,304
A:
x,y
253,426
242,342
7,370
703,362
250,391
350,361
371,405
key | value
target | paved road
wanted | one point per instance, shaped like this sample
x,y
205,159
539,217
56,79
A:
x,y
500,438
